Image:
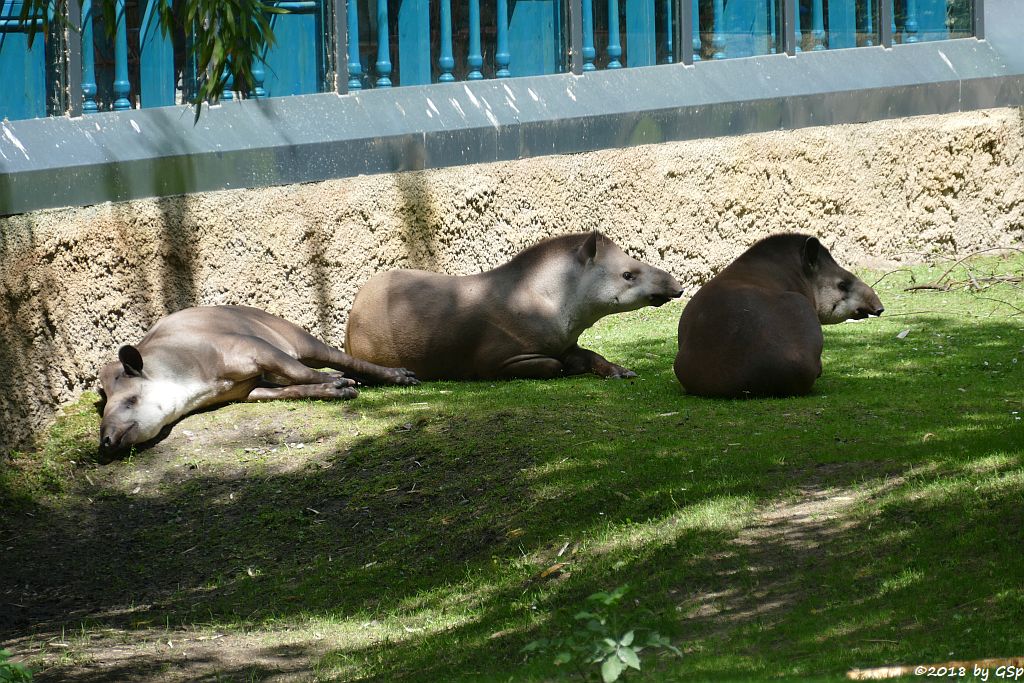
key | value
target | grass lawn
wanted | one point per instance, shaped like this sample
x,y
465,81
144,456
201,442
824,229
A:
x,y
429,533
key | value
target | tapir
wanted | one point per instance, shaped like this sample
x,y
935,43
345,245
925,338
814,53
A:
x,y
755,328
519,320
204,356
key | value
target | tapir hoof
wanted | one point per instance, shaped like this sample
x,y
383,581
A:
x,y
614,371
339,379
345,393
402,377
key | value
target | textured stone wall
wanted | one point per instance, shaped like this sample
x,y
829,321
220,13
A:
x,y
77,283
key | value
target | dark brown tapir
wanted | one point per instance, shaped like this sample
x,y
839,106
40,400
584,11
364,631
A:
x,y
755,328
522,319
206,356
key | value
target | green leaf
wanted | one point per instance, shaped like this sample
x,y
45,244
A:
x,y
612,669
629,657
563,658
627,639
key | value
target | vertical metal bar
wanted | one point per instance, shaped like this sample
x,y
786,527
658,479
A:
x,y
339,50
789,27
978,19
121,84
614,44
447,59
74,63
773,28
698,44
885,22
501,53
589,52
475,58
383,46
686,11
577,39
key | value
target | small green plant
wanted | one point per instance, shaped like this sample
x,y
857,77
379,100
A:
x,y
600,641
11,672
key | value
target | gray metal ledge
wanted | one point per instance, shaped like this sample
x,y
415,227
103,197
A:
x,y
62,161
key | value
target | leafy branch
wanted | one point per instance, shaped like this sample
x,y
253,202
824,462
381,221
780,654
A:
x,y
229,36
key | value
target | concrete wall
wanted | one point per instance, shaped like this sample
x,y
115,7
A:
x,y
77,283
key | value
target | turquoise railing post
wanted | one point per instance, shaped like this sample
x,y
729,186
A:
x,y
817,26
475,58
717,37
910,24
696,31
88,61
355,66
773,36
668,32
892,13
447,59
869,25
502,58
589,53
121,84
383,46
614,46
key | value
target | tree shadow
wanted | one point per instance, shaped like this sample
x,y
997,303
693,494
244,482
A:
x,y
436,509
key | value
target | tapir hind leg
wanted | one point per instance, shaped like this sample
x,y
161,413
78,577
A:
x,y
579,361
326,390
530,366
368,373
261,357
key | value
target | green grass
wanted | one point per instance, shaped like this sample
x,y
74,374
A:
x,y
879,520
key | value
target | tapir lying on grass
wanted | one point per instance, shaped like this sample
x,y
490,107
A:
x,y
755,328
205,356
521,319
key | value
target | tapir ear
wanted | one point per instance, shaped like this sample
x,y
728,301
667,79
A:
x,y
131,359
810,253
588,251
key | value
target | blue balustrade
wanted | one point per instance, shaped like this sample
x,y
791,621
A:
x,y
614,44
421,41
589,52
383,46
355,66
89,105
817,26
447,60
697,45
718,28
121,84
475,58
501,55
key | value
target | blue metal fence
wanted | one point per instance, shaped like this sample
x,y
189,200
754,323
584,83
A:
x,y
418,42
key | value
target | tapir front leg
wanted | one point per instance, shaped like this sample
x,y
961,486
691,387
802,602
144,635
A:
x,y
578,361
270,360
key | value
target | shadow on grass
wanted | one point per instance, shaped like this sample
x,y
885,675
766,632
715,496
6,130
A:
x,y
456,509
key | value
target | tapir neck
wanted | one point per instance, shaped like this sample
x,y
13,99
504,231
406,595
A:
x,y
541,287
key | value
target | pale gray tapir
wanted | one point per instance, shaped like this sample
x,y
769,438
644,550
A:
x,y
521,319
755,328
205,356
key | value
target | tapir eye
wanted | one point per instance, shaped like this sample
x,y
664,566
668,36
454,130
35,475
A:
x,y
628,276
843,286
131,401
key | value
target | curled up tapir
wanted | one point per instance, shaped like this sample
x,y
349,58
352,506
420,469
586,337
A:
x,y
755,328
519,320
205,356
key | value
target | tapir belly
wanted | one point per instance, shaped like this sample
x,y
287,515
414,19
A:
x,y
738,344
